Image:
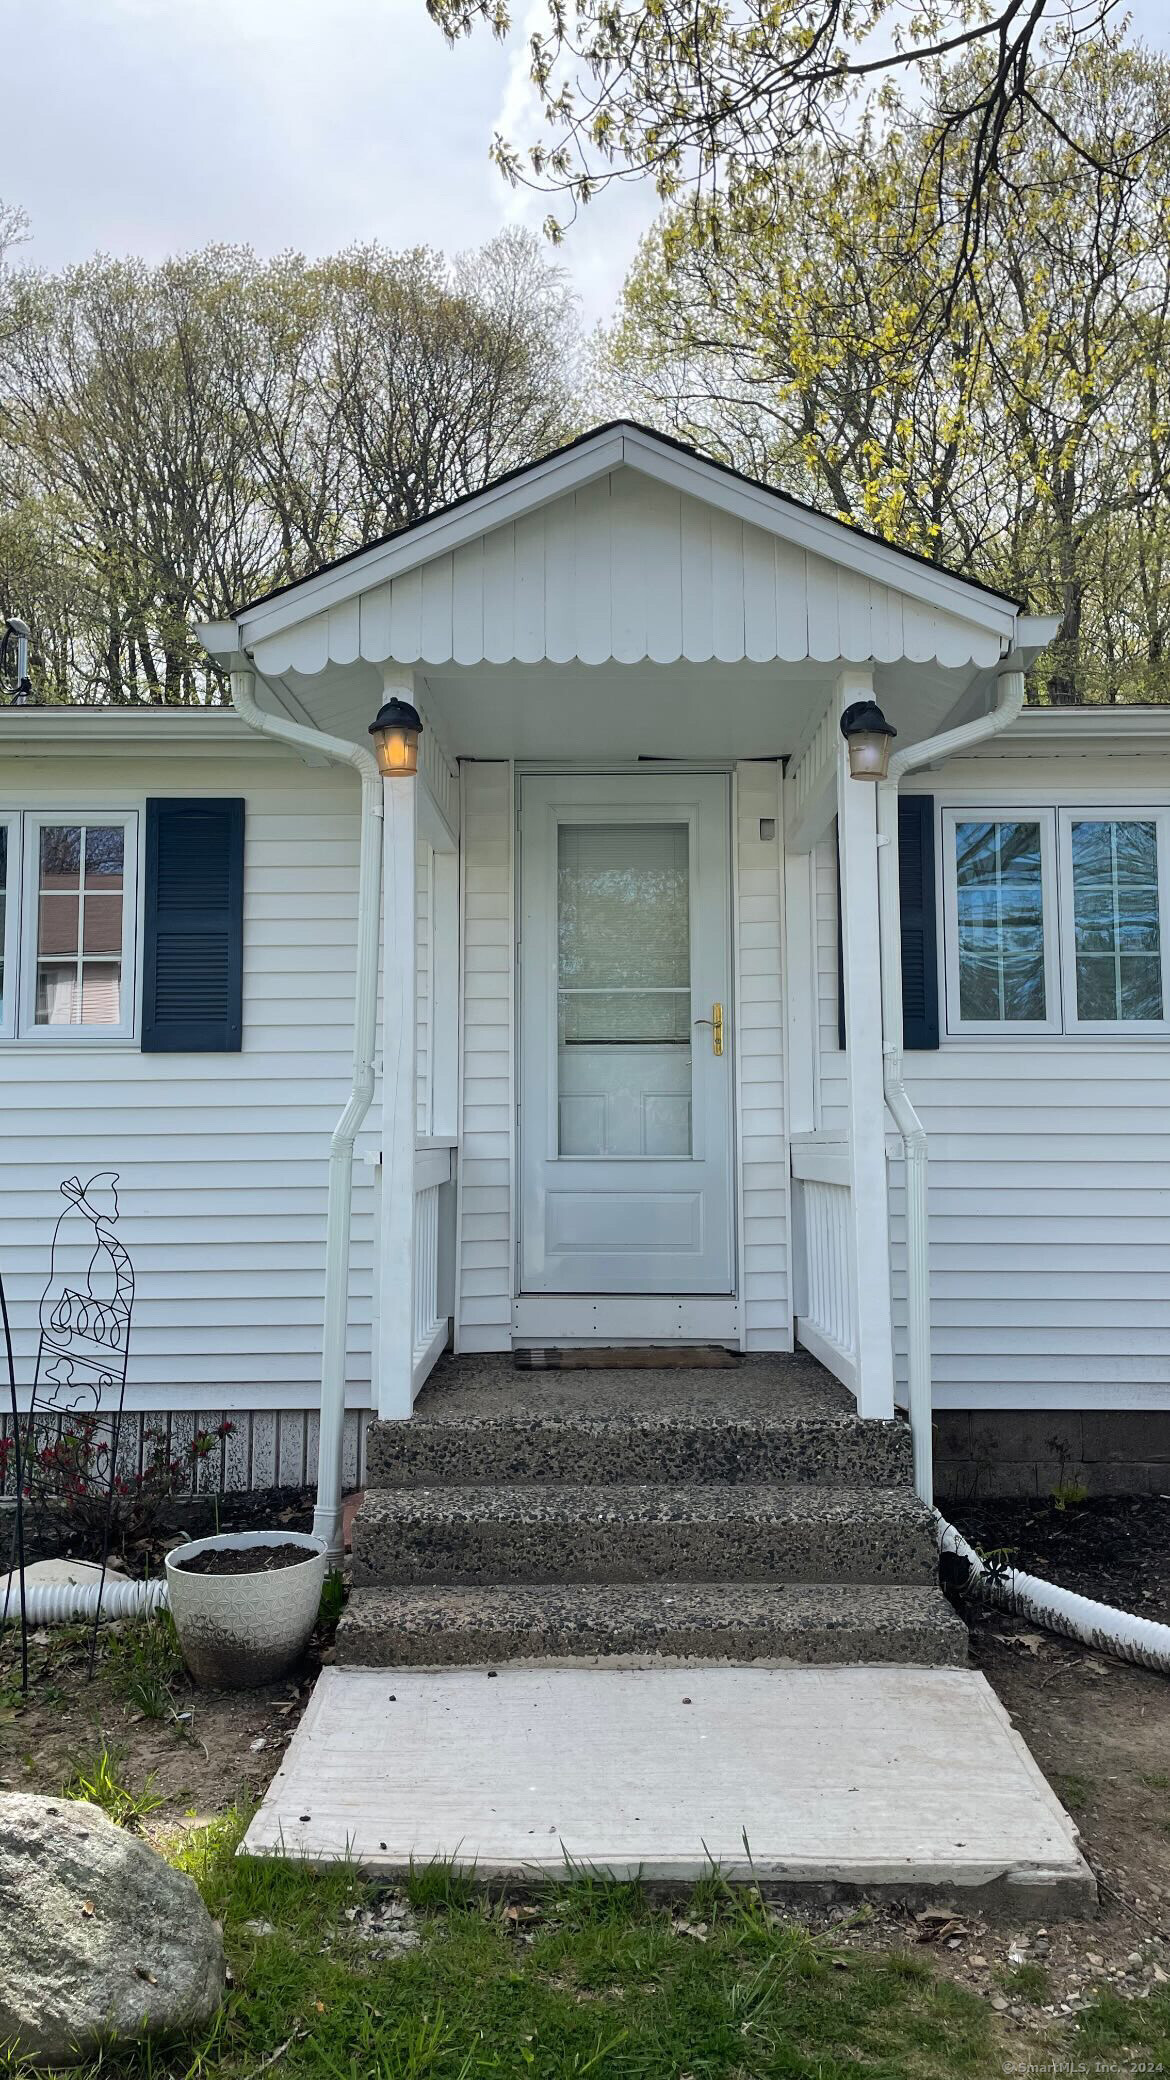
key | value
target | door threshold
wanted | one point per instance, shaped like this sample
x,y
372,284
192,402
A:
x,y
625,1318
624,1357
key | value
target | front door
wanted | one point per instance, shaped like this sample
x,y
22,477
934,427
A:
x,y
625,1037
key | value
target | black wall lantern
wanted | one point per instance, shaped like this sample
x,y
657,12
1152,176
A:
x,y
867,734
396,729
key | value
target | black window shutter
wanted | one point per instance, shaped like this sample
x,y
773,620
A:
x,y
919,920
193,945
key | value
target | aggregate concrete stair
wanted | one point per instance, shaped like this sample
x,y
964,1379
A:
x,y
742,1621
734,1515
714,1532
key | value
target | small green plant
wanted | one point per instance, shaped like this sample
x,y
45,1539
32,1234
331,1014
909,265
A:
x,y
1066,1493
1028,1982
1071,1790
143,1662
333,1595
96,1781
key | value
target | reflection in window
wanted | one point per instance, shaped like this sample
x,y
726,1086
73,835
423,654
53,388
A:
x,y
1000,898
624,990
1115,919
79,924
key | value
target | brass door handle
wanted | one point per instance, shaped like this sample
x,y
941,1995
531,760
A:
x,y
716,1024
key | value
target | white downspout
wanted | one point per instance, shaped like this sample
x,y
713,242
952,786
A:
x,y
338,1216
905,1118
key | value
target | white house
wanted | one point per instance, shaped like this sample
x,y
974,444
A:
x,y
635,1077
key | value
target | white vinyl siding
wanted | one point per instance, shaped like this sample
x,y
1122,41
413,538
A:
x,y
832,1065
221,1158
1049,1159
485,1246
629,568
424,995
759,1048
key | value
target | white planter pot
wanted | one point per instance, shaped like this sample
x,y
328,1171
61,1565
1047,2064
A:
x,y
237,1630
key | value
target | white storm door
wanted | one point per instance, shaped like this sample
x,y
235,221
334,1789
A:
x,y
625,969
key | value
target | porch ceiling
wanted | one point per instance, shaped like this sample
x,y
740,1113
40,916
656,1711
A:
x,y
579,712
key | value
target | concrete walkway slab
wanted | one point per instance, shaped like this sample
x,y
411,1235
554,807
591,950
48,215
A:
x,y
905,1780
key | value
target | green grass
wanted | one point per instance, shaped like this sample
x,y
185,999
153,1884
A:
x,y
1071,1790
96,1780
142,1663
333,1599
1027,1982
585,1980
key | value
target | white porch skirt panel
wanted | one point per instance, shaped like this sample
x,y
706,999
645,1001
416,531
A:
x,y
486,1236
268,1448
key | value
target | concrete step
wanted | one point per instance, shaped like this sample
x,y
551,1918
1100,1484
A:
x,y
638,1532
597,1428
821,1623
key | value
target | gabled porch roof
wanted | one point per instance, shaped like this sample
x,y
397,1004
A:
x,y
627,549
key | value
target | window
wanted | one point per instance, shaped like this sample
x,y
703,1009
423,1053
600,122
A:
x,y
1053,920
1000,939
71,884
1114,873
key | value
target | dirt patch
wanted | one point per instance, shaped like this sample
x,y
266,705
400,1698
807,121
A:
x,y
244,1559
1116,1548
207,1750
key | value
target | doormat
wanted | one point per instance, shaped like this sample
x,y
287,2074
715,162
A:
x,y
658,1357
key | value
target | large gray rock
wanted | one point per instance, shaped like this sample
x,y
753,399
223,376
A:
x,y
99,1937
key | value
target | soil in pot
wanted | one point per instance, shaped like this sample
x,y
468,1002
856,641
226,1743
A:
x,y
244,1559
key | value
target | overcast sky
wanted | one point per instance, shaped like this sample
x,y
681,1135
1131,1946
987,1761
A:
x,y
151,126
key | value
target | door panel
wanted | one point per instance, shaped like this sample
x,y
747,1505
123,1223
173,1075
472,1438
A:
x,y
625,1118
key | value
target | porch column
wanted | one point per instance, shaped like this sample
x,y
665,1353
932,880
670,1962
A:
x,y
868,1215
396,1313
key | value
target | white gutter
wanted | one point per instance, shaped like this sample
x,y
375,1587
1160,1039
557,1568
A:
x,y
338,1215
914,1145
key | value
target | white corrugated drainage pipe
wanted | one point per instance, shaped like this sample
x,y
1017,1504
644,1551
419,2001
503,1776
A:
x,y
66,1603
1099,1625
338,1216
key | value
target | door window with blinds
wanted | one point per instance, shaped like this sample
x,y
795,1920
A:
x,y
624,989
1055,920
68,885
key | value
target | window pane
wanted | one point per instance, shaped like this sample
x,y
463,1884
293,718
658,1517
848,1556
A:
x,y
623,997
80,914
58,996
3,907
105,850
101,993
623,906
632,1016
60,856
999,877
1116,925
57,928
103,923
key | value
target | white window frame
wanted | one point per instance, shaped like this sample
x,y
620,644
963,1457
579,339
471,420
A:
x,y
10,821
27,1030
998,812
1117,812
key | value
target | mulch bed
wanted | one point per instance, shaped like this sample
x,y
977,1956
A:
x,y
1115,1548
